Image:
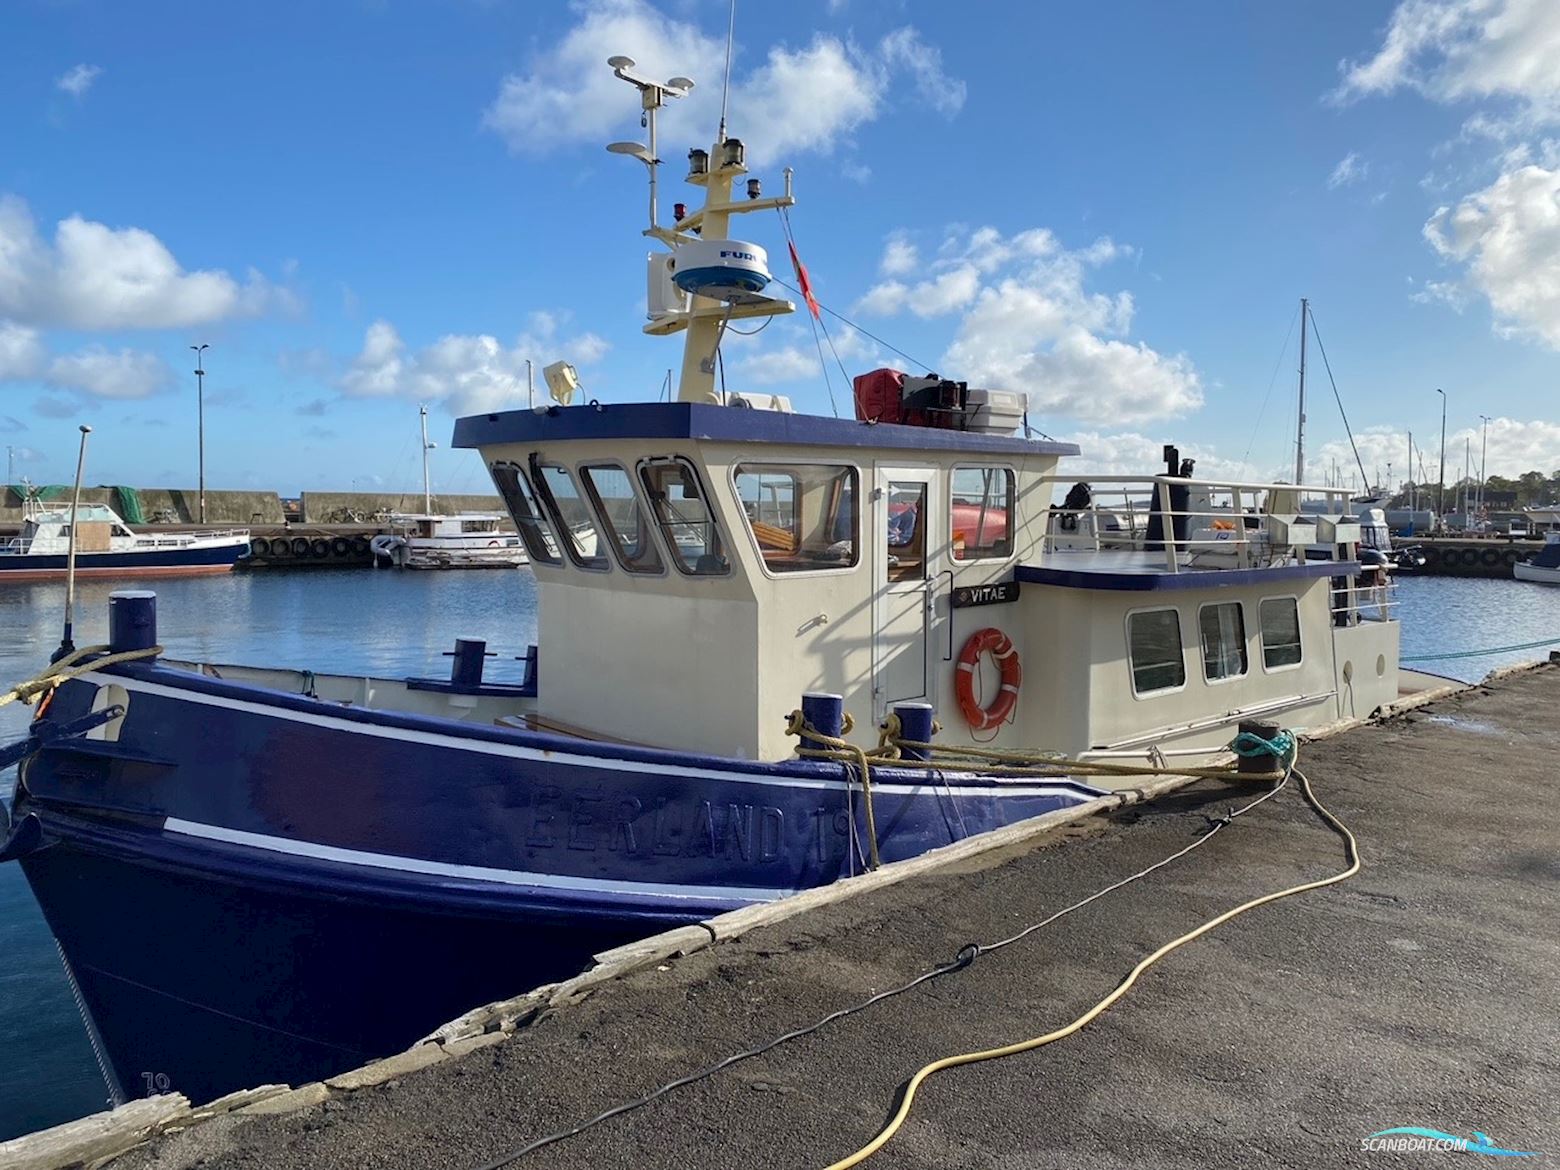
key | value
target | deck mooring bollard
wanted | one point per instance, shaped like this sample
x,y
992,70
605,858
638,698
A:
x,y
915,724
825,713
132,620
1262,765
466,669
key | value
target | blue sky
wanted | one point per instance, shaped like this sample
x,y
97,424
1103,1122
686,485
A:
x,y
1113,207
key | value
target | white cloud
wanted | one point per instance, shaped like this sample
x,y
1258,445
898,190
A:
x,y
21,352
900,257
787,364
1452,50
104,374
1508,236
77,80
1133,453
1515,446
1030,324
798,99
98,277
472,373
1350,170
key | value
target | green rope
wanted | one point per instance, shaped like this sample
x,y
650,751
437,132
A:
x,y
1282,746
1481,653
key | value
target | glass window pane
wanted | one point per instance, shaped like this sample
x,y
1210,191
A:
x,y
527,514
1154,643
803,517
611,491
581,540
1280,621
981,512
678,504
907,531
1223,631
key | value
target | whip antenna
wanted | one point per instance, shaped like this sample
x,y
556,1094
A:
x,y
725,89
67,644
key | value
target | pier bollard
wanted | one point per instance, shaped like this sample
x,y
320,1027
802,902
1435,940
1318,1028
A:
x,y
915,723
1263,765
466,669
825,713
132,620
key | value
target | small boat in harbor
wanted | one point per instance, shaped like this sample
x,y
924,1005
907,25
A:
x,y
427,540
261,874
1544,565
107,546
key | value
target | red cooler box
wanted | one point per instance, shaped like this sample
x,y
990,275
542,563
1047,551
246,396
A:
x,y
879,396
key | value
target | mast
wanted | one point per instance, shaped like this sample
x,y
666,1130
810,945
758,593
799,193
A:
x,y
1412,478
422,413
1305,308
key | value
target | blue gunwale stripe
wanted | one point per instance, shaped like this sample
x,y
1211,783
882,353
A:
x,y
541,746
1164,581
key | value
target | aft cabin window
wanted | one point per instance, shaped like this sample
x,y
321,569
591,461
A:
x,y
611,492
1154,645
1223,630
803,516
682,511
981,513
527,513
581,539
1280,621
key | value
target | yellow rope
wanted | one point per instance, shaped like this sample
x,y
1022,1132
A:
x,y
1120,990
71,667
841,749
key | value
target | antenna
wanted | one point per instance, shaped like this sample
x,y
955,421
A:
x,y
422,412
67,645
725,89
652,96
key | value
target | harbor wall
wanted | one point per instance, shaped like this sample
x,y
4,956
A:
x,y
359,507
166,505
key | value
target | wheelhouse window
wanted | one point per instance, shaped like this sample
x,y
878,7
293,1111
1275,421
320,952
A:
x,y
535,530
1154,647
681,510
1223,631
981,512
611,493
581,539
479,525
1279,618
907,531
803,516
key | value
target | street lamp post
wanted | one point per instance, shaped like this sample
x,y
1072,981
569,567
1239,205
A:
x,y
1440,489
200,407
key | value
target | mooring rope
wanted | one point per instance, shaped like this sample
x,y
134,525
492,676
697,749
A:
x,y
69,667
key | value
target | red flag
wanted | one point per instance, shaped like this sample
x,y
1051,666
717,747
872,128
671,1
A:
x,y
803,282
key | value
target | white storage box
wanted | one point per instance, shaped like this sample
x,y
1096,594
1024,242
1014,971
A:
x,y
994,412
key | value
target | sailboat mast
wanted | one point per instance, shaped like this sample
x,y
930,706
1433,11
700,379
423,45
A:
x,y
422,412
1305,308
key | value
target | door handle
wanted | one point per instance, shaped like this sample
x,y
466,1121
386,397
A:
x,y
949,656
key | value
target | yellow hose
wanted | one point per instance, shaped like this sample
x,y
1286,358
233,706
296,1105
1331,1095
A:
x,y
1120,990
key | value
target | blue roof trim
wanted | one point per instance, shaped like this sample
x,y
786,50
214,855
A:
x,y
1186,579
688,420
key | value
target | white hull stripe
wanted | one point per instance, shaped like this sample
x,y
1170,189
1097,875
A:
x,y
943,784
482,873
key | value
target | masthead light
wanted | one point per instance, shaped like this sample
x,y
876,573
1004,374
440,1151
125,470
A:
x,y
698,161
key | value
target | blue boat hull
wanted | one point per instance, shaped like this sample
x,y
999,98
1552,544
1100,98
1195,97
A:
x,y
255,886
144,563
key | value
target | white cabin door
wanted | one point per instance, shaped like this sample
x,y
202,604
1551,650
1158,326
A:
x,y
902,542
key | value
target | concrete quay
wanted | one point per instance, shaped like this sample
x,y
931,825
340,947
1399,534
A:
x,y
1422,992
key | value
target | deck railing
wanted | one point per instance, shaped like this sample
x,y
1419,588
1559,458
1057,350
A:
x,y
1201,523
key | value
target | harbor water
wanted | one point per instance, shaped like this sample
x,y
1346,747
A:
x,y
398,624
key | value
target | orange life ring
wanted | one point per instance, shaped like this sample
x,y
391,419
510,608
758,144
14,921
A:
x,y
993,641
494,544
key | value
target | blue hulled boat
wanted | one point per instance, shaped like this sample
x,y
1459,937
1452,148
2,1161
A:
x,y
270,875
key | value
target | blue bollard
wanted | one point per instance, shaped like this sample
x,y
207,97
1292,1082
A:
x,y
132,620
466,668
915,722
825,713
